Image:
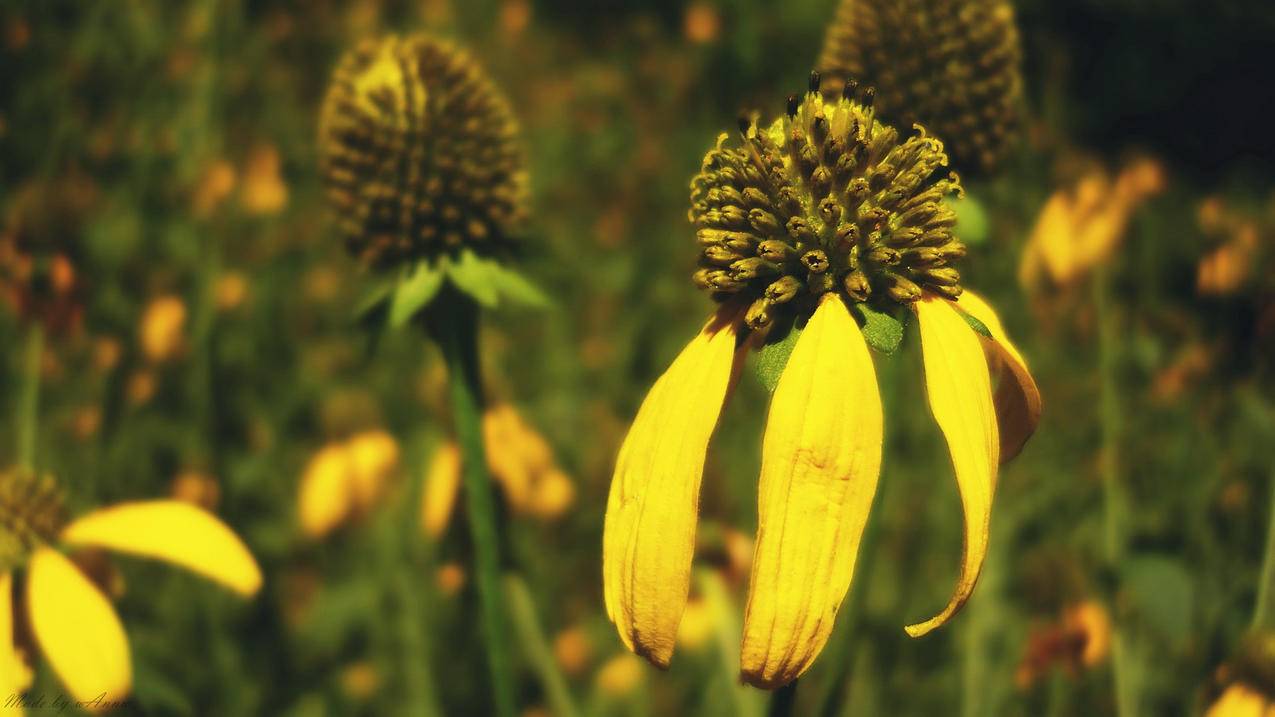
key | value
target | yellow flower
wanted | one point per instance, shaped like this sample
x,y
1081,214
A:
x,y
264,190
1081,227
521,462
72,621
343,481
1240,700
162,331
619,676
785,258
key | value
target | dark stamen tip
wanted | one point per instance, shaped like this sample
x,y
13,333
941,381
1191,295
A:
x,y
852,87
814,81
792,105
869,95
745,123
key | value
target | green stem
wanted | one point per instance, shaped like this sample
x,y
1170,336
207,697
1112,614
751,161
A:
x,y
455,327
783,702
532,637
1264,609
29,401
1112,490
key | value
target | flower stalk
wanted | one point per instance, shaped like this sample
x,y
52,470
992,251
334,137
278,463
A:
x,y
453,323
29,402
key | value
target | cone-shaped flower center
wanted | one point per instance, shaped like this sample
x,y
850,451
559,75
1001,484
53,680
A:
x,y
825,199
419,153
31,513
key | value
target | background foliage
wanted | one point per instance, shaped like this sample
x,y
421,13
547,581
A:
x,y
169,150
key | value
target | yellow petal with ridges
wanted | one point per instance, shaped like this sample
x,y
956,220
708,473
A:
x,y
649,535
960,394
820,461
77,629
1017,400
15,676
175,532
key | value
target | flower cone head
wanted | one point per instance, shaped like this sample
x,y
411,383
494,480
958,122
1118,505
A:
x,y
825,199
419,153
31,514
952,65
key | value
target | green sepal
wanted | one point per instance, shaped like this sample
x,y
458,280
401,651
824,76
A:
x,y
772,357
971,219
488,281
414,292
883,331
975,324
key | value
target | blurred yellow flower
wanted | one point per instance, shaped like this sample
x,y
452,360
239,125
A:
x,y
360,680
620,675
345,480
162,329
232,290
521,462
702,23
1081,227
216,184
572,650
1240,700
451,578
263,190
71,620
1080,640
196,488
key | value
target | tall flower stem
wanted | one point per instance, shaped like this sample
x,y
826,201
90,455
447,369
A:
x,y
29,401
536,647
1264,610
453,322
1112,490
783,702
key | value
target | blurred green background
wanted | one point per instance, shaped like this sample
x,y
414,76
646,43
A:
x,y
166,152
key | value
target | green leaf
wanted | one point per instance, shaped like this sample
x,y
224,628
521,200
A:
x,y
882,331
373,302
476,277
773,357
517,288
971,219
414,292
975,324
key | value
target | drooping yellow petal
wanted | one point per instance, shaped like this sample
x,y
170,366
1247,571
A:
x,y
15,676
325,496
649,534
960,393
373,460
820,462
1017,400
442,483
77,629
173,531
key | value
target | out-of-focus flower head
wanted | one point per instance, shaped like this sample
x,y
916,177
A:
x,y
573,650
197,488
1243,247
39,240
1081,226
1080,640
521,462
345,480
162,329
702,23
71,620
1245,685
620,676
951,65
263,191
424,109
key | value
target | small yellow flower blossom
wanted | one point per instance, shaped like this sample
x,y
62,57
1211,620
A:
x,y
216,184
1080,640
71,620
162,332
701,24
345,480
1081,227
620,676
1238,256
573,650
451,578
1241,700
824,211
520,461
232,290
263,191
196,488
360,681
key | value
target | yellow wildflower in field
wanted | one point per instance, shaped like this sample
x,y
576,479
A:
x,y
71,620
1081,227
162,331
824,212
520,461
345,480
1240,700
